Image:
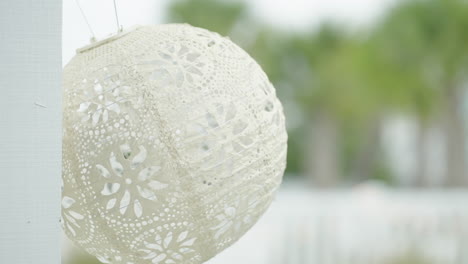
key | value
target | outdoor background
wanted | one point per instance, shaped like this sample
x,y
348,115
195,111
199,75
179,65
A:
x,y
376,103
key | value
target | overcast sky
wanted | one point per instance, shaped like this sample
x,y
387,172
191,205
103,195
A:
x,y
287,14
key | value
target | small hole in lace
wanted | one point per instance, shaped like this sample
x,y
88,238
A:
x,y
205,147
211,120
269,106
126,151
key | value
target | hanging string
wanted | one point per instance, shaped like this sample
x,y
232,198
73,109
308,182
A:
x,y
93,37
117,18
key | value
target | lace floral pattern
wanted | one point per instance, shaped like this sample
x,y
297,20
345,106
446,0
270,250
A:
x,y
174,144
169,249
71,219
128,180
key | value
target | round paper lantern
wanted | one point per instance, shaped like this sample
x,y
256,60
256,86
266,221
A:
x,y
174,144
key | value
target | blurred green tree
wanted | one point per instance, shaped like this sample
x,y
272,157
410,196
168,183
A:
x,y
272,50
215,15
386,89
428,39
346,85
347,90
337,101
311,67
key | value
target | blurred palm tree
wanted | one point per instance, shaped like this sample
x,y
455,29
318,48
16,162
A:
x,y
347,88
312,60
346,85
428,38
341,101
387,89
215,15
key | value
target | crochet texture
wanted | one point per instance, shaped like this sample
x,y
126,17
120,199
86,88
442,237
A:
x,y
174,143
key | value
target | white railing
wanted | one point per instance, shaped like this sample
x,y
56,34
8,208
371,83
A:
x,y
364,225
367,225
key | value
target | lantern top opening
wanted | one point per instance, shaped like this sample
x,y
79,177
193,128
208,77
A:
x,y
108,39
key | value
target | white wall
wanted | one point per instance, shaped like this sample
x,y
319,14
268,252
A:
x,y
30,131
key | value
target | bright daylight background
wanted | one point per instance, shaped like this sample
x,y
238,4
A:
x,y
375,93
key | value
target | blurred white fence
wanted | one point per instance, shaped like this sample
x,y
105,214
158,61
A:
x,y
365,225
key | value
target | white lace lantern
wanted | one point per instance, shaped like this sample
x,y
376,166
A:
x,y
174,144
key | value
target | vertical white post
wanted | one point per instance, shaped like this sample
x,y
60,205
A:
x,y
30,131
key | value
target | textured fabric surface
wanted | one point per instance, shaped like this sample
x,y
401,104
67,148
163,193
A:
x,y
174,143
30,131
